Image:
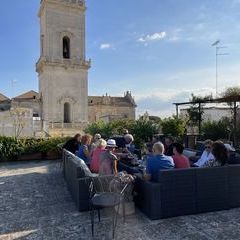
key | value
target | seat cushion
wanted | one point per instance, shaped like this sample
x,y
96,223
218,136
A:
x,y
106,199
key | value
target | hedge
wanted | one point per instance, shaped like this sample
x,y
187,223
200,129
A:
x,y
12,148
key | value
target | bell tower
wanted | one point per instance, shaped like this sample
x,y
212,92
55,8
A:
x,y
62,67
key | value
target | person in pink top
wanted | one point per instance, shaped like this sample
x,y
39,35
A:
x,y
179,159
95,161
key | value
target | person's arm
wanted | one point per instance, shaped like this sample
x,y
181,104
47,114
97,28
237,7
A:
x,y
115,171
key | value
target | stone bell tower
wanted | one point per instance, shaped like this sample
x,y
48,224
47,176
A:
x,y
62,67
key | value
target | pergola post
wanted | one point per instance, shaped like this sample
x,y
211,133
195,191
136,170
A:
x,y
234,122
199,119
177,111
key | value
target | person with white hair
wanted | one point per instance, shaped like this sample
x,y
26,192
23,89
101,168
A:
x,y
157,162
129,143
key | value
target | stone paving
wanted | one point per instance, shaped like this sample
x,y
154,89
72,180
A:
x,y
35,204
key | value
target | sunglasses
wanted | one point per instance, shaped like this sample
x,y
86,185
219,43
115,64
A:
x,y
208,147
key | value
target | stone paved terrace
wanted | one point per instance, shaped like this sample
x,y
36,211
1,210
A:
x,y
35,204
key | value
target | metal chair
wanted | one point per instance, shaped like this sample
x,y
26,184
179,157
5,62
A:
x,y
102,196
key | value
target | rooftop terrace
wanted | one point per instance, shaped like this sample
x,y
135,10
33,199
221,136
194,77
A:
x,y
35,204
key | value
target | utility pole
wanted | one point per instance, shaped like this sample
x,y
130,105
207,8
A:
x,y
216,44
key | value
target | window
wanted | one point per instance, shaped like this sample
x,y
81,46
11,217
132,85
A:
x,y
66,47
67,113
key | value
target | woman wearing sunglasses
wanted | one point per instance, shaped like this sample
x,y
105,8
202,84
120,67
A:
x,y
206,155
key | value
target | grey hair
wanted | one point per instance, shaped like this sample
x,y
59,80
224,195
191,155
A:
x,y
158,147
128,138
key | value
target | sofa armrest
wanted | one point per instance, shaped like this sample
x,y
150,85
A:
x,y
148,198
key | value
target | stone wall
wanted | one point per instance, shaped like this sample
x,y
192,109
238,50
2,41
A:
x,y
109,112
17,122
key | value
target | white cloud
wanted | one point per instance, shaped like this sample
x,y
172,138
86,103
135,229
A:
x,y
105,46
153,37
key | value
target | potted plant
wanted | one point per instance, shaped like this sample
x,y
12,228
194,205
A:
x,y
31,149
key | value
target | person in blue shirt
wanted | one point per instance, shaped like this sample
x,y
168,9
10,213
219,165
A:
x,y
157,162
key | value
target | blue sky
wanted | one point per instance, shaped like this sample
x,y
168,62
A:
x,y
159,50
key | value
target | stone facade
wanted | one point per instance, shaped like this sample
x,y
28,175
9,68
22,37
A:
x,y
108,108
62,67
62,105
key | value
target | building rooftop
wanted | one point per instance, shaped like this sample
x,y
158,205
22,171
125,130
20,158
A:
x,y
3,98
28,95
126,100
36,204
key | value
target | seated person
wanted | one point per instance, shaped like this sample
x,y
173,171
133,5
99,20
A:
x,y
233,157
206,155
94,144
169,146
72,144
129,146
179,159
83,151
108,160
219,152
157,162
95,161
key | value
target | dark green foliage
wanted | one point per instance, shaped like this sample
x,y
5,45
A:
x,y
216,130
11,148
142,129
173,127
195,111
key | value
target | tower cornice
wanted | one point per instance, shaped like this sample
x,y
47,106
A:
x,y
76,4
65,63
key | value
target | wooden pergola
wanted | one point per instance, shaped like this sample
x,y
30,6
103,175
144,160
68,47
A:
x,y
231,99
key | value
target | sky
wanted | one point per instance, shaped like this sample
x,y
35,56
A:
x,y
160,50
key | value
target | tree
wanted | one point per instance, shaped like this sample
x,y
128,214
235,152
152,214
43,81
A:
x,y
216,129
195,112
142,129
231,94
173,126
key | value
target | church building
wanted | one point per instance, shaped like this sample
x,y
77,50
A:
x,y
62,105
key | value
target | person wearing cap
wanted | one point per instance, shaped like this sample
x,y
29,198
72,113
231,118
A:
x,y
95,143
108,160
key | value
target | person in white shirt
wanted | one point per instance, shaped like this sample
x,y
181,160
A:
x,y
206,155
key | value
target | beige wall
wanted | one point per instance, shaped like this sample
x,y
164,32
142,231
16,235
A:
x,y
98,112
8,126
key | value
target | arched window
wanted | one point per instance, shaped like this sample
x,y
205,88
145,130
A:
x,y
67,113
66,47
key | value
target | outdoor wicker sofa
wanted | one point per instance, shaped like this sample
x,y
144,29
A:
x,y
78,178
189,191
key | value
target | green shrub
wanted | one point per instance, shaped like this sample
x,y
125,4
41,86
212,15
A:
x,y
173,126
142,129
12,148
216,130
